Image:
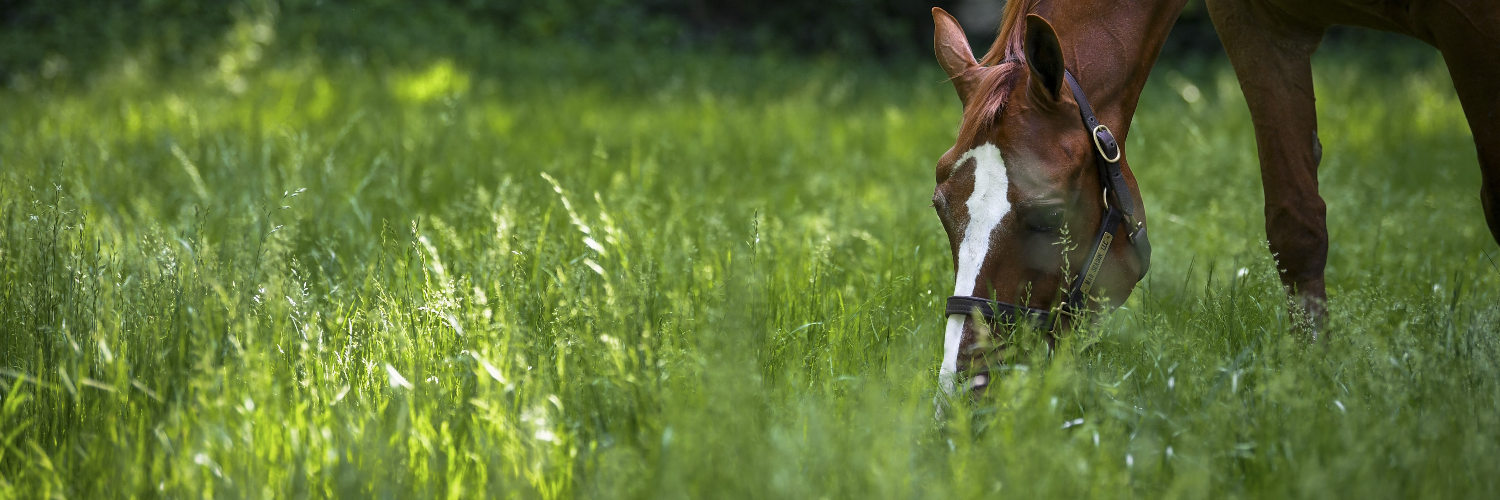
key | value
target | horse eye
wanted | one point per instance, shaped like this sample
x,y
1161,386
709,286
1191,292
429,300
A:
x,y
1045,220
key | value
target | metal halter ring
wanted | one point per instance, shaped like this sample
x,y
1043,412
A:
x,y
1097,144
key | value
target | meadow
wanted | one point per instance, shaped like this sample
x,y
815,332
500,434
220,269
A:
x,y
603,273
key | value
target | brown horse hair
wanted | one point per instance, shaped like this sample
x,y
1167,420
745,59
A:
x,y
1007,45
1006,61
990,95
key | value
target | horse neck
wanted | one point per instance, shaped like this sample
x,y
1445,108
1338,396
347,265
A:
x,y
1111,45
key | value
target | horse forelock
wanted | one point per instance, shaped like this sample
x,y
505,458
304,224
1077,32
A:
x,y
1002,67
988,101
1007,45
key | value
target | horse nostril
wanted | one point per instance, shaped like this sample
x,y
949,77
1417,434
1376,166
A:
x,y
979,382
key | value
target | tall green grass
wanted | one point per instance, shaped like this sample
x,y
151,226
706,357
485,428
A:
x,y
622,275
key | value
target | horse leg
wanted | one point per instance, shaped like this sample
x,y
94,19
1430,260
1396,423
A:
x,y
1474,63
1271,57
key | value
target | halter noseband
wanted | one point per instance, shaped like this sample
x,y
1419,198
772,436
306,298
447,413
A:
x,y
1107,158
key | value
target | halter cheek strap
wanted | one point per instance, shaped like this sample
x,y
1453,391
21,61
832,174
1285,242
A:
x,y
1119,207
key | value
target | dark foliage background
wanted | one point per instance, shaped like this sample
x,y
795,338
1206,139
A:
x,y
52,37
62,39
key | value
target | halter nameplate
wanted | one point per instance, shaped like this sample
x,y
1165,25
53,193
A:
x,y
1098,262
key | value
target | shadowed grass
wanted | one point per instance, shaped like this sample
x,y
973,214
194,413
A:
x,y
650,276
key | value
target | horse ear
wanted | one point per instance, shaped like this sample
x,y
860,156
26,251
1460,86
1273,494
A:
x,y
1044,56
951,47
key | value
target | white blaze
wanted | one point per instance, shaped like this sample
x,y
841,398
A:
x,y
987,205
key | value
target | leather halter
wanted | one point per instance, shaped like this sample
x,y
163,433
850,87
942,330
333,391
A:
x,y
1119,207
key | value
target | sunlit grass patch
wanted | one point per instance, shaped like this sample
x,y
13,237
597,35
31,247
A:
x,y
699,277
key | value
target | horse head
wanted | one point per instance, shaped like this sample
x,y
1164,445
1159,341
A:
x,y
1042,218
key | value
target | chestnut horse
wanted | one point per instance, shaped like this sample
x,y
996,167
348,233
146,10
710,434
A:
x,y
1038,168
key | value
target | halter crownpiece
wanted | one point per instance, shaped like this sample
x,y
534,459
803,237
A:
x,y
1107,154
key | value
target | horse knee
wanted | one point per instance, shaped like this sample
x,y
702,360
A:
x,y
1317,149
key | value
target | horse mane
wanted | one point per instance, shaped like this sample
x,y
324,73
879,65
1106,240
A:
x,y
1002,66
1007,45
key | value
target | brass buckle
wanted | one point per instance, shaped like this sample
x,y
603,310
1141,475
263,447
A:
x,y
1139,226
1100,146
